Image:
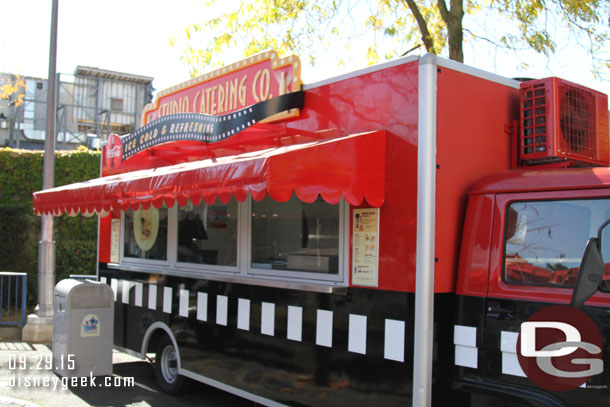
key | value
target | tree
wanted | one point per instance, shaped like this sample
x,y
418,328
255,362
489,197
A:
x,y
13,89
586,20
396,26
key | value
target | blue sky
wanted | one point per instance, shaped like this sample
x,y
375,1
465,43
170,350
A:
x,y
133,36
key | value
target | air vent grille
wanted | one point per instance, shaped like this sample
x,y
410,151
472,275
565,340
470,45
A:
x,y
534,120
562,121
577,121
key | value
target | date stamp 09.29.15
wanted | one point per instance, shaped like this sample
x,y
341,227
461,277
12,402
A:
x,y
37,371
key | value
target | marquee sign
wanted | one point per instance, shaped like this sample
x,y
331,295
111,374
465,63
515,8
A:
x,y
197,127
217,105
229,89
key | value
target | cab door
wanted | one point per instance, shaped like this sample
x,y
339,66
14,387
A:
x,y
538,240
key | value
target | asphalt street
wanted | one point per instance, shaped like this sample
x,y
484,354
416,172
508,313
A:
x,y
38,386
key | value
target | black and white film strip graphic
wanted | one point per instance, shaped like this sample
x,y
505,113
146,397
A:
x,y
206,128
214,308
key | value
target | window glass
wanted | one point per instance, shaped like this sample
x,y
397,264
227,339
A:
x,y
207,234
116,104
545,240
145,234
295,236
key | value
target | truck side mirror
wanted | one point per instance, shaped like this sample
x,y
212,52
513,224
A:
x,y
592,267
604,247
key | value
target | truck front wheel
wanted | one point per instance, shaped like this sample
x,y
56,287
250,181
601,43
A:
x,y
166,367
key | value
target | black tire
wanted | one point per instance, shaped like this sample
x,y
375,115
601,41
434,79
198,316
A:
x,y
166,367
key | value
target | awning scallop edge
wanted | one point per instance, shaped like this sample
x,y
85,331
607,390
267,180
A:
x,y
352,167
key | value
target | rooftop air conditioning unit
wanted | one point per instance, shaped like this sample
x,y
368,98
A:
x,y
561,121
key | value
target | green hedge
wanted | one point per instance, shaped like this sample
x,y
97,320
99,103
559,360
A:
x,y
75,237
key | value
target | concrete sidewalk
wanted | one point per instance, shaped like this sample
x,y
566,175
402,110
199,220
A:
x,y
37,386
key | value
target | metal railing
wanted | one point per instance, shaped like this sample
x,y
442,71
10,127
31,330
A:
x,y
83,277
13,292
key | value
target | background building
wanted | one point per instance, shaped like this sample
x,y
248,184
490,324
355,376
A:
x,y
91,104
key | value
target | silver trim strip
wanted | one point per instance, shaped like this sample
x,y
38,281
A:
x,y
426,205
230,389
327,289
438,61
99,222
129,352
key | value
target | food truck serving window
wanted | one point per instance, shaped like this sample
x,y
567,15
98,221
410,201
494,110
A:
x,y
264,239
145,234
207,234
295,236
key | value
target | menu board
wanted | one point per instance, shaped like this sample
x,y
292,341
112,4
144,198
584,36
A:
x,y
115,237
365,247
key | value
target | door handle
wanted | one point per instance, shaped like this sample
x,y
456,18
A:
x,y
496,311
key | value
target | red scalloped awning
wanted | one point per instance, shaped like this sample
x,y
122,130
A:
x,y
352,167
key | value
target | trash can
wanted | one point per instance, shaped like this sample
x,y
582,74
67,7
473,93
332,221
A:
x,y
83,328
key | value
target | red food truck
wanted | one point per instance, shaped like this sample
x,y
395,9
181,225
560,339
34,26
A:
x,y
373,239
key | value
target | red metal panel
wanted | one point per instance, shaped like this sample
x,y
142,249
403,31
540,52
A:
x,y
383,99
471,143
543,180
498,288
104,239
473,271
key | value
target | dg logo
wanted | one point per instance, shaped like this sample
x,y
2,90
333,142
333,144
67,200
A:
x,y
560,348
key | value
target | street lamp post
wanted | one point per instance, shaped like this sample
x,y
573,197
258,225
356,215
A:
x,y
39,326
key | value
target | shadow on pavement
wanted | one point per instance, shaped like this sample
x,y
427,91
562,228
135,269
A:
x,y
146,393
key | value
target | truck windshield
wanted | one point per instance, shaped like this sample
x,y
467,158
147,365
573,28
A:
x,y
545,240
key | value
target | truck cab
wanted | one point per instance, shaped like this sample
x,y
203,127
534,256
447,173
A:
x,y
525,233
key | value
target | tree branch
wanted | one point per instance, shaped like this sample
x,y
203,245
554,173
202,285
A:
x,y
494,43
442,6
453,20
423,26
